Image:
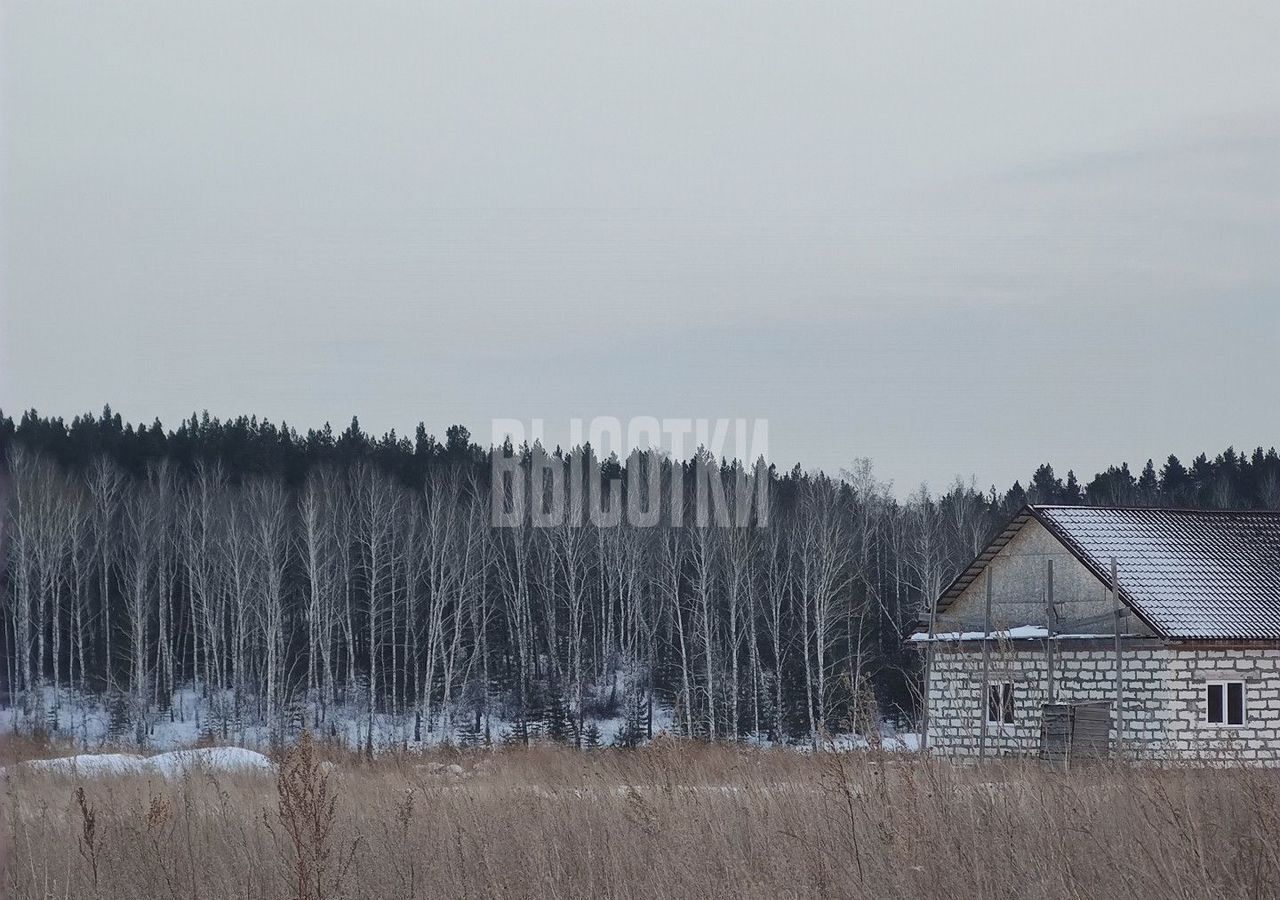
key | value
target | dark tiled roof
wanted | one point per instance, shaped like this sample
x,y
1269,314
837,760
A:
x,y
1189,573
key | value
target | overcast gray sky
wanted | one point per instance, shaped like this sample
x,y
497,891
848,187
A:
x,y
957,238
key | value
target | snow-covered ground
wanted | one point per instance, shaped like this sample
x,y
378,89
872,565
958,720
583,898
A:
x,y
170,765
86,723
905,742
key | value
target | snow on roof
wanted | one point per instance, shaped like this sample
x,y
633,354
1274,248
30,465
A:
x,y
1016,633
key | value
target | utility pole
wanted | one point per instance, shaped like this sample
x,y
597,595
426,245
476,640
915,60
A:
x,y
1119,702
1050,618
928,677
984,699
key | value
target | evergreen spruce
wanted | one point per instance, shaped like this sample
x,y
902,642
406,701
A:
x,y
1045,487
557,721
1148,483
1072,494
634,730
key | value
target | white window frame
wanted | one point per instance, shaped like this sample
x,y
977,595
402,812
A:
x,y
1226,712
1013,706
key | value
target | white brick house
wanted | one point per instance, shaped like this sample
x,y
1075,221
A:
x,y
1199,646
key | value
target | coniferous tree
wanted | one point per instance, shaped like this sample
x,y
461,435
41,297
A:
x,y
1148,484
633,732
1045,488
1174,482
1202,478
1072,494
557,722
1014,499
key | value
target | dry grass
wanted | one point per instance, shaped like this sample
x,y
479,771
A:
x,y
18,747
670,821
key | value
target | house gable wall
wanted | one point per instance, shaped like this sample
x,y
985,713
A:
x,y
1018,580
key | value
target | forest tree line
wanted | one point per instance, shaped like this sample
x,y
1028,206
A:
x,y
290,579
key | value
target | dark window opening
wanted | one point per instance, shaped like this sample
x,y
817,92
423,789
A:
x,y
1000,703
1215,704
1225,702
1235,703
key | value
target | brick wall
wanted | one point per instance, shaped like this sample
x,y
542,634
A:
x,y
1164,703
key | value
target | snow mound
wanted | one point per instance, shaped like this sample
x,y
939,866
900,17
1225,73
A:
x,y
169,765
90,764
211,759
904,742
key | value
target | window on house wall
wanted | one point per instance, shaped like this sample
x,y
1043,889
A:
x,y
1224,702
1000,703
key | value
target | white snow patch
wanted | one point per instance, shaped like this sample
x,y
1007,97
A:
x,y
168,765
211,759
1016,633
906,742
90,764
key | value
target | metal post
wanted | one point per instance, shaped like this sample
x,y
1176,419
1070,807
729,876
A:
x,y
928,678
984,700
1050,619
1119,703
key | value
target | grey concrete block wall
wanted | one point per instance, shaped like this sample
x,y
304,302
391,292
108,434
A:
x,y
1164,715
1019,580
